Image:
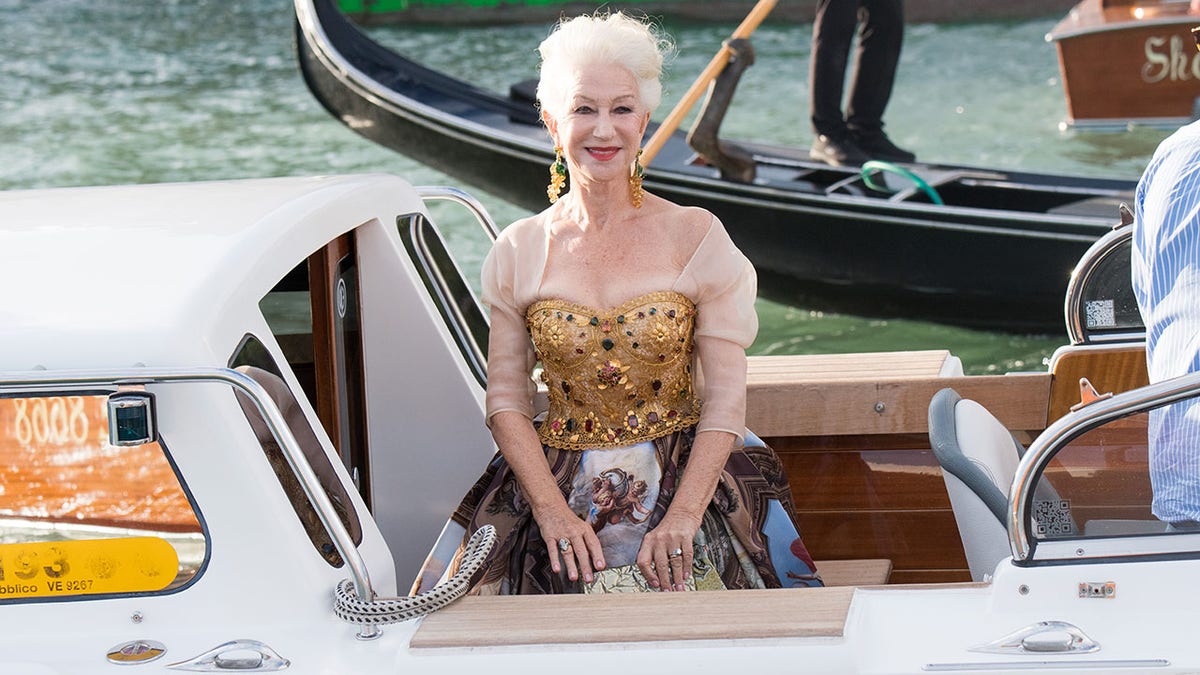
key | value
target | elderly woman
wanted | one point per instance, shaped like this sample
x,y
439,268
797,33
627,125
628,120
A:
x,y
638,477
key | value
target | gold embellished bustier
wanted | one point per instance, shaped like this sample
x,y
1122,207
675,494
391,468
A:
x,y
615,377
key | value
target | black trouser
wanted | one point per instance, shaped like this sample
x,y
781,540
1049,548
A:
x,y
878,53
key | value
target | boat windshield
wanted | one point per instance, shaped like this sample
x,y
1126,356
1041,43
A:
x,y
1108,487
1097,485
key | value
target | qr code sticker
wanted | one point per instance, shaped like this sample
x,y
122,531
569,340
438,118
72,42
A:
x,y
1101,313
1053,517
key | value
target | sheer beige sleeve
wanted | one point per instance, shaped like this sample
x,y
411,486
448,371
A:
x,y
510,351
723,284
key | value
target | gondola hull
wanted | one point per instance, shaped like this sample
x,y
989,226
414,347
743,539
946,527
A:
x,y
997,255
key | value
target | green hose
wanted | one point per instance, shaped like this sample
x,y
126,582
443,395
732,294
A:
x,y
870,168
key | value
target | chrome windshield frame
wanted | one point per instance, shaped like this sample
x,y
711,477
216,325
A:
x,y
440,293
1089,262
1064,430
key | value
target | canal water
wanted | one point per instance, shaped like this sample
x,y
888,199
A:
x,y
99,92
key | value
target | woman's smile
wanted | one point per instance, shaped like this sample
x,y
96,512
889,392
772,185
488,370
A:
x,y
604,154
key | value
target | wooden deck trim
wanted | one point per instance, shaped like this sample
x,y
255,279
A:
x,y
877,394
866,572
495,621
868,365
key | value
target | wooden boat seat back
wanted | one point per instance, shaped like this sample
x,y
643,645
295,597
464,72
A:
x,y
1110,368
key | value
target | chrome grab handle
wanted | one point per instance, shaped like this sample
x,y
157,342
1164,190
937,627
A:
x,y
426,193
243,655
1043,637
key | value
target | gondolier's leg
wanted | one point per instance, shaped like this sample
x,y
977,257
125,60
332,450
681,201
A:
x,y
880,39
833,31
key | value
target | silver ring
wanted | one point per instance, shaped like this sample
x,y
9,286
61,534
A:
x,y
564,544
676,553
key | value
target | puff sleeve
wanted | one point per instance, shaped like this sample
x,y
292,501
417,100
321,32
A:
x,y
510,349
723,284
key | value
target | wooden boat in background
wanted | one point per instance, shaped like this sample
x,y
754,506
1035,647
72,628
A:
x,y
993,250
1125,62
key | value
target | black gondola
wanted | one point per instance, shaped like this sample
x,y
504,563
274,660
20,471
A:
x,y
996,254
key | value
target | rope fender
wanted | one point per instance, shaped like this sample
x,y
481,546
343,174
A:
x,y
348,607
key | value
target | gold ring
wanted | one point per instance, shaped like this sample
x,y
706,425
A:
x,y
564,544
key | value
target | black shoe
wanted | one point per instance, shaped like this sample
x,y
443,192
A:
x,y
876,145
838,151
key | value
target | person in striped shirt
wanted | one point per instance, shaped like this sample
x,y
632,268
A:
x,y
1166,281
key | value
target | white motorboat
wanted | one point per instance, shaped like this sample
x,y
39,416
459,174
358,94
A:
x,y
234,417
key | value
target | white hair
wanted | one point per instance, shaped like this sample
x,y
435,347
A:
x,y
608,39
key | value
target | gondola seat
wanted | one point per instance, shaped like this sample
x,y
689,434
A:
x,y
979,457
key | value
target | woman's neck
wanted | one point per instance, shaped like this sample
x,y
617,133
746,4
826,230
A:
x,y
597,206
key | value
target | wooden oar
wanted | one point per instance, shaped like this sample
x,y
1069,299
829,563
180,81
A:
x,y
714,68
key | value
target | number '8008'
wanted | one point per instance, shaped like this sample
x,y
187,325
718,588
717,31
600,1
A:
x,y
54,419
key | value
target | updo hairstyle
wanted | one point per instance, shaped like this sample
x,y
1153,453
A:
x,y
603,39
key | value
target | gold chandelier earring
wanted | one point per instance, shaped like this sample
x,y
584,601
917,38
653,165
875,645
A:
x,y
558,175
635,181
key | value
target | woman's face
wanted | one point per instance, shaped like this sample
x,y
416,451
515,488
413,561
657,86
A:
x,y
602,123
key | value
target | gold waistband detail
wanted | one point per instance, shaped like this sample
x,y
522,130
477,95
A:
x,y
616,376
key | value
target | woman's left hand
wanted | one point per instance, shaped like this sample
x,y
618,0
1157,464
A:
x,y
665,558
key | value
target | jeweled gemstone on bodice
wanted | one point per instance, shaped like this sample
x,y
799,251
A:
x,y
617,376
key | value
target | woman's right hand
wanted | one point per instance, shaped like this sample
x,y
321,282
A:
x,y
582,552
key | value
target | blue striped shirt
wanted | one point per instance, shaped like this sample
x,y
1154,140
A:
x,y
1166,281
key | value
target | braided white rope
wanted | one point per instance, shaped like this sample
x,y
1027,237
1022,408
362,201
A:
x,y
348,607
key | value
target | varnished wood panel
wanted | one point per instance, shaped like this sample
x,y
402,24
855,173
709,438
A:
x,y
484,621
1110,369
930,576
866,496
322,273
866,480
820,407
912,540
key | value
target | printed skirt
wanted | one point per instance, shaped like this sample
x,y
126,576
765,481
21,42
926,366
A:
x,y
748,537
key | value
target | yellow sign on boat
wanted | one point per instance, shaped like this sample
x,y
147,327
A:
x,y
90,567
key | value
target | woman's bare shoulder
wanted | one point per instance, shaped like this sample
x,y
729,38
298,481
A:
x,y
688,225
523,229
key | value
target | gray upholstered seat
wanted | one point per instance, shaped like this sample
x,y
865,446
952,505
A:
x,y
979,458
